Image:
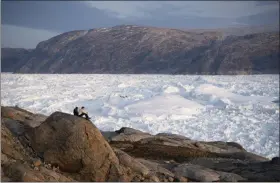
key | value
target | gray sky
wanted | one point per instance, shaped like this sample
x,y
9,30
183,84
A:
x,y
26,23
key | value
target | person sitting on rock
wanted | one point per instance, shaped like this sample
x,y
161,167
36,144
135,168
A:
x,y
83,112
76,111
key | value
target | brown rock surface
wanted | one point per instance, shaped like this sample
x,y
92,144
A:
x,y
23,173
11,148
69,148
76,146
130,138
21,115
132,163
196,172
37,163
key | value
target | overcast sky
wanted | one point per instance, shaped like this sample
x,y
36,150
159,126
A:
x,y
26,23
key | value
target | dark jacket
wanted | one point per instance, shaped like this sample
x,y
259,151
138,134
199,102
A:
x,y
76,111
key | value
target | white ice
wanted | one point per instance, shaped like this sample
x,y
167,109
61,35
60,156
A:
x,y
243,109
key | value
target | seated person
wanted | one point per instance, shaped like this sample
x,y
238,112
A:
x,y
83,112
76,111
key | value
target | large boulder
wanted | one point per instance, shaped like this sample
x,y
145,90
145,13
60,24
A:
x,y
81,152
16,160
17,128
197,173
126,138
163,148
255,172
163,140
243,155
219,146
108,135
19,122
23,116
216,163
230,177
127,134
240,170
24,173
11,148
162,152
157,170
155,167
76,146
128,131
130,137
173,136
132,163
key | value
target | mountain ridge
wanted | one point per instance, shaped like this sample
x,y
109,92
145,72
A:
x,y
130,49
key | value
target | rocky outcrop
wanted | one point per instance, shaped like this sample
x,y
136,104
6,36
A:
x,y
65,148
24,173
22,116
127,134
170,146
132,163
11,148
131,49
76,146
17,160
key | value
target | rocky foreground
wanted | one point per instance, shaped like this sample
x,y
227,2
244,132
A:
x,y
63,147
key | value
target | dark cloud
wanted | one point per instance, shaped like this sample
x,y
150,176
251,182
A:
x,y
22,37
266,18
61,16
54,15
265,3
46,18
